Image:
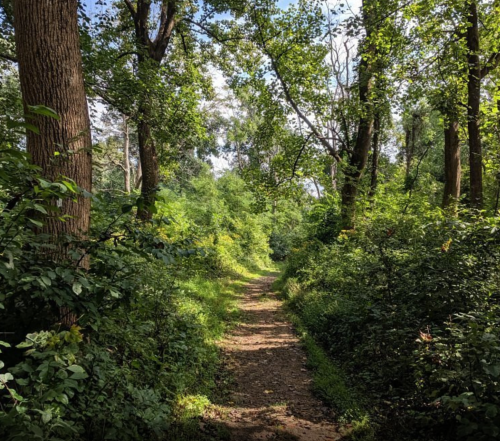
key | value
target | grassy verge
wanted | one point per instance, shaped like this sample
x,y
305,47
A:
x,y
214,303
331,386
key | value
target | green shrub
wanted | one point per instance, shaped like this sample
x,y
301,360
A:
x,y
372,295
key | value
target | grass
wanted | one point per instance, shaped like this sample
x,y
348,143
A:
x,y
331,386
215,305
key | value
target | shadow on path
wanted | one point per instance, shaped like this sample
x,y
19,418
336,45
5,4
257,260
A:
x,y
271,398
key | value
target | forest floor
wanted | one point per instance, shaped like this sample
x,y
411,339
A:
x,y
270,395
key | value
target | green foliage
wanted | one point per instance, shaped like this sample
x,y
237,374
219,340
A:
x,y
223,216
406,305
149,312
45,382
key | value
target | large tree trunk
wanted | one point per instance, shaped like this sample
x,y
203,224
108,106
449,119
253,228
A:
x,y
359,157
375,156
126,154
50,71
473,103
452,170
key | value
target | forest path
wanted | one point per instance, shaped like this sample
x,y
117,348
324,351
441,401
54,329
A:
x,y
270,398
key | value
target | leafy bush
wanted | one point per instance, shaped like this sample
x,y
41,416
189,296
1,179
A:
x,y
406,304
149,315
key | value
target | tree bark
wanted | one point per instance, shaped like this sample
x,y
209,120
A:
x,y
333,174
149,166
375,156
473,104
408,152
50,71
126,154
138,176
359,157
150,56
452,168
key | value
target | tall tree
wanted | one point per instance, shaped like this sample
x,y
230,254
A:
x,y
452,166
366,71
150,53
50,71
473,104
318,90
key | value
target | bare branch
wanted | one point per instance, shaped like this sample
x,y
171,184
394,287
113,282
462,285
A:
x,y
330,149
10,58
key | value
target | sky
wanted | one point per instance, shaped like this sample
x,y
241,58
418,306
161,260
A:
x,y
220,164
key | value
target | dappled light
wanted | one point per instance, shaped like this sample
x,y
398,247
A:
x,y
239,220
271,397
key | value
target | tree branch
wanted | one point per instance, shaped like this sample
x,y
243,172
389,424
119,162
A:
x,y
131,8
210,33
330,149
124,54
492,64
167,24
10,58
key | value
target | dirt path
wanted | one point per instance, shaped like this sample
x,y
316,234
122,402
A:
x,y
271,397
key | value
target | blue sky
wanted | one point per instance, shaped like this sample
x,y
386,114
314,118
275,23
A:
x,y
281,3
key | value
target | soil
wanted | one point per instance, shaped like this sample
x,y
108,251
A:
x,y
270,397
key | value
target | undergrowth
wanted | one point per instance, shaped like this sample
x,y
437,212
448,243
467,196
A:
x,y
407,307
331,384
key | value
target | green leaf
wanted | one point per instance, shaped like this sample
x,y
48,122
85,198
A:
x,y
78,372
37,223
25,344
77,288
44,111
37,431
46,280
40,208
127,208
114,293
46,416
23,125
492,369
63,398
22,381
6,377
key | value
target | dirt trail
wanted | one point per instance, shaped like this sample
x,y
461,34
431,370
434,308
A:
x,y
271,397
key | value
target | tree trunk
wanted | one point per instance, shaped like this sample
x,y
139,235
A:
x,y
375,157
150,55
409,152
452,170
333,174
359,157
149,166
138,176
50,71
126,154
473,103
